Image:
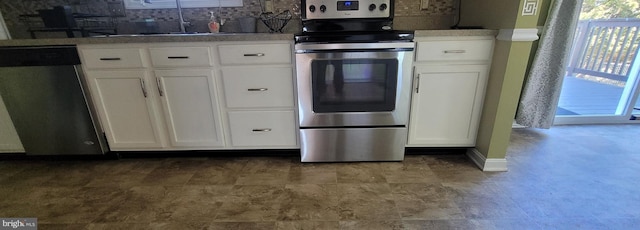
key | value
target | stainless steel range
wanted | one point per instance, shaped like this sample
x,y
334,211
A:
x,y
354,81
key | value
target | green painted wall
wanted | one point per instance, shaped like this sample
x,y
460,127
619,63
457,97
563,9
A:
x,y
490,14
508,69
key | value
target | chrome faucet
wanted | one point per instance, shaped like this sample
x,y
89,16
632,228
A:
x,y
183,24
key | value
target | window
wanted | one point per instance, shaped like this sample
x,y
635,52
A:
x,y
161,4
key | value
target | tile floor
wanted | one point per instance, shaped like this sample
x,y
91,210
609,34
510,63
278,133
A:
x,y
569,177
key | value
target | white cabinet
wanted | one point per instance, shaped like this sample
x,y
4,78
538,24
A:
x,y
124,103
112,57
148,99
450,77
180,56
252,54
188,96
9,140
190,109
446,104
258,87
259,100
262,128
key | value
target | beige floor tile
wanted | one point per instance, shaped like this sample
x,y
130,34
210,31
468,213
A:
x,y
372,225
242,225
558,178
312,175
307,225
265,178
360,173
366,202
251,203
310,202
164,178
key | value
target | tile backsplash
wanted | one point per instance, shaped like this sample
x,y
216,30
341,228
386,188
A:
x,y
408,15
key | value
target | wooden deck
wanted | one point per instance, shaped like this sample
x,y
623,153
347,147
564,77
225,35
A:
x,y
586,97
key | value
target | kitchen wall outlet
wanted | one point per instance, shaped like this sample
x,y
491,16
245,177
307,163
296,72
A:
x,y
424,4
268,6
116,9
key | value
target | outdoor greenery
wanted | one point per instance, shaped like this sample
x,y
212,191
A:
x,y
607,9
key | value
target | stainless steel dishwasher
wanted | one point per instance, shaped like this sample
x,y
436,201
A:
x,y
45,96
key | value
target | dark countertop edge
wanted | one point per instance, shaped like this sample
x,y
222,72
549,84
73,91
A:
x,y
238,37
467,32
234,37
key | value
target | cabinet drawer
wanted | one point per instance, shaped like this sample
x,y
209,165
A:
x,y
263,128
258,87
477,50
180,56
112,58
255,54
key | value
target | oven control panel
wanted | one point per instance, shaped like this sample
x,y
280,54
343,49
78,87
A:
x,y
332,9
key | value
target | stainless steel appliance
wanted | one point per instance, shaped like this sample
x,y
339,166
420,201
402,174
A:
x,y
45,96
354,81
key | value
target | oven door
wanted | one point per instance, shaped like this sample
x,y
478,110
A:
x,y
354,84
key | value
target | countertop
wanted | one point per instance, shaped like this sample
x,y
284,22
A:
x,y
205,37
474,32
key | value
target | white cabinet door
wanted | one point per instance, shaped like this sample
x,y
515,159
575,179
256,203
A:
x,y
190,107
9,140
124,102
446,105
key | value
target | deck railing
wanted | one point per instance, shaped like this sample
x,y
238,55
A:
x,y
605,48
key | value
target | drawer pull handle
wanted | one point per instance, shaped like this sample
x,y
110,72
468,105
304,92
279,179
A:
x,y
455,51
257,89
178,57
143,87
261,130
110,59
159,84
254,55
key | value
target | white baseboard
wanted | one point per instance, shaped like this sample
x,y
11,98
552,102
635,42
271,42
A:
x,y
487,165
515,125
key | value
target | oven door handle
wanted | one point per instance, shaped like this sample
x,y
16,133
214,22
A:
x,y
352,50
355,47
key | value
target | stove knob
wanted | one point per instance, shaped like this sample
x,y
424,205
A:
x,y
372,7
312,8
383,6
323,8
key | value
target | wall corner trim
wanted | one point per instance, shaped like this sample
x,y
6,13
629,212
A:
x,y
518,35
487,165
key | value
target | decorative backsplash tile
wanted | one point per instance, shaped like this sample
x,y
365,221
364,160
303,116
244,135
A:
x,y
530,8
167,18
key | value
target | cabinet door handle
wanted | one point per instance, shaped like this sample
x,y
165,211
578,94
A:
x,y
178,57
144,88
159,83
418,84
455,51
110,59
257,89
262,130
254,55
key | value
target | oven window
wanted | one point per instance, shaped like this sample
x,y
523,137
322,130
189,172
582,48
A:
x,y
354,85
